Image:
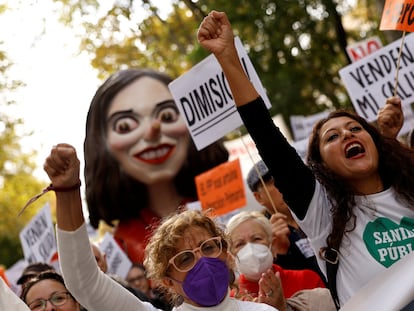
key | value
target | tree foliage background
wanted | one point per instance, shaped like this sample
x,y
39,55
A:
x,y
296,46
17,182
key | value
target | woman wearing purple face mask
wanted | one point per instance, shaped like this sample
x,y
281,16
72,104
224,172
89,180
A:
x,y
187,254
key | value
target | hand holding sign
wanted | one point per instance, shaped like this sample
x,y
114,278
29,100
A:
x,y
398,15
390,118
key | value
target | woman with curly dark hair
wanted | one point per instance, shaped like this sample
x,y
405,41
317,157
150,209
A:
x,y
140,161
354,199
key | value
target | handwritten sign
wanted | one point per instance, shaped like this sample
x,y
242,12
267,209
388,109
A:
x,y
204,98
38,237
363,48
398,15
118,262
221,189
371,80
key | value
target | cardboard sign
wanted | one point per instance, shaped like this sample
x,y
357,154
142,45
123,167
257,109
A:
x,y
371,80
118,262
38,237
221,189
204,98
398,15
363,48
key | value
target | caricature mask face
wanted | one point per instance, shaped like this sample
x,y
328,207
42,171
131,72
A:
x,y
146,133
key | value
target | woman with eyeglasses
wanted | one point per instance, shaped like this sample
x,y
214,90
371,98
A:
x,y
47,291
187,254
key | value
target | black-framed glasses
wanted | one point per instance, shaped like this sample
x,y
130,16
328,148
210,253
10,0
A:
x,y
185,260
57,299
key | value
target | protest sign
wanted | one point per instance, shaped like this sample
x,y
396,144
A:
x,y
398,15
302,125
221,189
363,48
204,98
371,80
118,262
38,237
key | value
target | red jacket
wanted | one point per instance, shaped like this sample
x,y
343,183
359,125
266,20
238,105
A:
x,y
132,235
292,281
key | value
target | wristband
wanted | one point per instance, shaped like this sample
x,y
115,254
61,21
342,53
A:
x,y
63,189
50,188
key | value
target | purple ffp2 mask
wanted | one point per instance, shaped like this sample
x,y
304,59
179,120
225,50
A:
x,y
207,282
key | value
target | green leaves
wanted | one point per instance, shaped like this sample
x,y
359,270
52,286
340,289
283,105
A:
x,y
297,47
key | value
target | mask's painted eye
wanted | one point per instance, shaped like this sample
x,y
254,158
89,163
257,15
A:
x,y
125,124
168,114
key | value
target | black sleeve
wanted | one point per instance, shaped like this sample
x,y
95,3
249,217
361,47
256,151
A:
x,y
292,177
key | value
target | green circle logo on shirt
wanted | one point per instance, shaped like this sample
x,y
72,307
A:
x,y
388,241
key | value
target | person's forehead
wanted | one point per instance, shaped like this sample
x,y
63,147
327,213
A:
x,y
44,288
336,123
247,229
137,270
193,237
127,97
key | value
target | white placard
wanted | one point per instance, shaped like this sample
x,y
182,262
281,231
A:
x,y
302,126
204,98
371,80
363,48
38,237
118,262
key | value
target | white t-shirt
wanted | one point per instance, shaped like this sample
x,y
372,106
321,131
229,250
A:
x,y
383,234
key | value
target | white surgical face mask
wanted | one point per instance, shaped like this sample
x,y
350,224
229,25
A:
x,y
254,259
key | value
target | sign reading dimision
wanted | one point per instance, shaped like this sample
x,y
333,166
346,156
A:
x,y
204,98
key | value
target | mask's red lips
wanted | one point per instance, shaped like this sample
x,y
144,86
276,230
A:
x,y
353,149
155,155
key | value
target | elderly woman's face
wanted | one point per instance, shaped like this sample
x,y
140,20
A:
x,y
348,149
248,231
49,292
146,133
